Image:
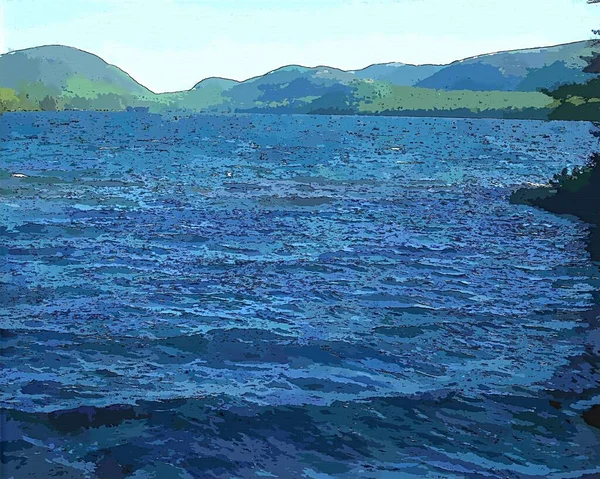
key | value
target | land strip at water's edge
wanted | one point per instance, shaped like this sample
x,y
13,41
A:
x,y
577,193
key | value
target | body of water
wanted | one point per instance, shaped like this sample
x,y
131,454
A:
x,y
291,296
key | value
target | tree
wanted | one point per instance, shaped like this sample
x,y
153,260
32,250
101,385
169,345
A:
x,y
9,101
576,192
580,101
48,103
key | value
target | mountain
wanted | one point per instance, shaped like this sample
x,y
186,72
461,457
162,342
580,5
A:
x,y
399,74
518,70
289,87
484,85
504,84
216,83
206,95
65,69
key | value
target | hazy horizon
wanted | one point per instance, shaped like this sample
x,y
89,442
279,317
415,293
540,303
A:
x,y
170,46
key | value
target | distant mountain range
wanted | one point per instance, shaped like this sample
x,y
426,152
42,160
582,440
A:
x,y
505,84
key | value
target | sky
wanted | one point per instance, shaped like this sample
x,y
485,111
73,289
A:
x,y
170,45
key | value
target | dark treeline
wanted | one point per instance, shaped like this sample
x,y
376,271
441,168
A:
x,y
575,192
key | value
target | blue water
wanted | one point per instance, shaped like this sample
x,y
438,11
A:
x,y
291,296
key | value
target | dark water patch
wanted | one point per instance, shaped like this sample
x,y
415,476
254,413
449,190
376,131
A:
x,y
85,417
592,416
375,435
41,387
7,334
307,201
118,462
401,332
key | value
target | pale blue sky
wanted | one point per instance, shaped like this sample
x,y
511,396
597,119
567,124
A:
x,y
171,44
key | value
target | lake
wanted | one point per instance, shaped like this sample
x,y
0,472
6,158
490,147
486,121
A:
x,y
291,296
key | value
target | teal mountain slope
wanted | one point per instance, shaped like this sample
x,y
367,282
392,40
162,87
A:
x,y
290,86
400,74
518,70
65,69
216,83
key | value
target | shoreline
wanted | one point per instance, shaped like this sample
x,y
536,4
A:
x,y
576,195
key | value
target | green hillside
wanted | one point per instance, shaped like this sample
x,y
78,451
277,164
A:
x,y
71,77
514,84
384,98
215,83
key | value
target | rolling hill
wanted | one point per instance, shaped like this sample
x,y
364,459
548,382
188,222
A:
x,y
519,70
503,84
399,74
66,70
216,83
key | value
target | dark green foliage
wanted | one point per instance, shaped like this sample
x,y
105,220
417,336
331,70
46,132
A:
x,y
579,101
588,111
586,91
575,193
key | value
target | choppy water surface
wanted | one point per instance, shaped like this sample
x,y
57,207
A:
x,y
265,296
